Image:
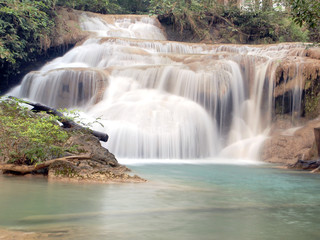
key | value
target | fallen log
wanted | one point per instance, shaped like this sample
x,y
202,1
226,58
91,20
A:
x,y
67,123
24,169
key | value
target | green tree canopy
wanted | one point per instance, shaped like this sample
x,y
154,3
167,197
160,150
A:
x,y
306,11
25,28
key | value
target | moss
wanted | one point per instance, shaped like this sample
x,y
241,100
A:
x,y
66,172
64,169
312,105
312,99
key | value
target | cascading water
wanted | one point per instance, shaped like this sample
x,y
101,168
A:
x,y
160,99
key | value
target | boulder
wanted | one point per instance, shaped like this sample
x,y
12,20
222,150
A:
x,y
288,143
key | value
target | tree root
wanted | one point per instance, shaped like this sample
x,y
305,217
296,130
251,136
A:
x,y
24,169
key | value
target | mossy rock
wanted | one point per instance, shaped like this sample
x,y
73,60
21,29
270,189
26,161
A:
x,y
64,169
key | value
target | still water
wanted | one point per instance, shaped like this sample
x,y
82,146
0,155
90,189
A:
x,y
180,201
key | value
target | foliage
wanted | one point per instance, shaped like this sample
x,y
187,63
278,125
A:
x,y
27,137
134,6
312,98
185,14
254,24
305,11
264,26
98,6
107,6
25,31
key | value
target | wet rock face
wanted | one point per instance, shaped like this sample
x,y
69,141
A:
x,y
288,144
89,144
300,75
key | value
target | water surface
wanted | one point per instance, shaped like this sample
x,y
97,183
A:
x,y
180,201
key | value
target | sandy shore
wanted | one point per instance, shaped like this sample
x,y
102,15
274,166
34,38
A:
x,y
14,235
50,233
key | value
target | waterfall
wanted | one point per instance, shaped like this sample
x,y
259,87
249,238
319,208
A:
x,y
161,99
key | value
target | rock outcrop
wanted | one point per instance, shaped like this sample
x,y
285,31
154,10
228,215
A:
x,y
290,144
94,164
102,166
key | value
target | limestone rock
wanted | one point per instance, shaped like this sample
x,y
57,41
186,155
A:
x,y
299,71
288,145
90,171
101,167
90,145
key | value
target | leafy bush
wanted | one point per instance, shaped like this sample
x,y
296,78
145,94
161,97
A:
x,y
25,31
27,137
98,6
134,6
265,26
252,25
110,6
190,15
305,11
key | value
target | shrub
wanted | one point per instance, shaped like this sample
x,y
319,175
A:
x,y
25,31
27,137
